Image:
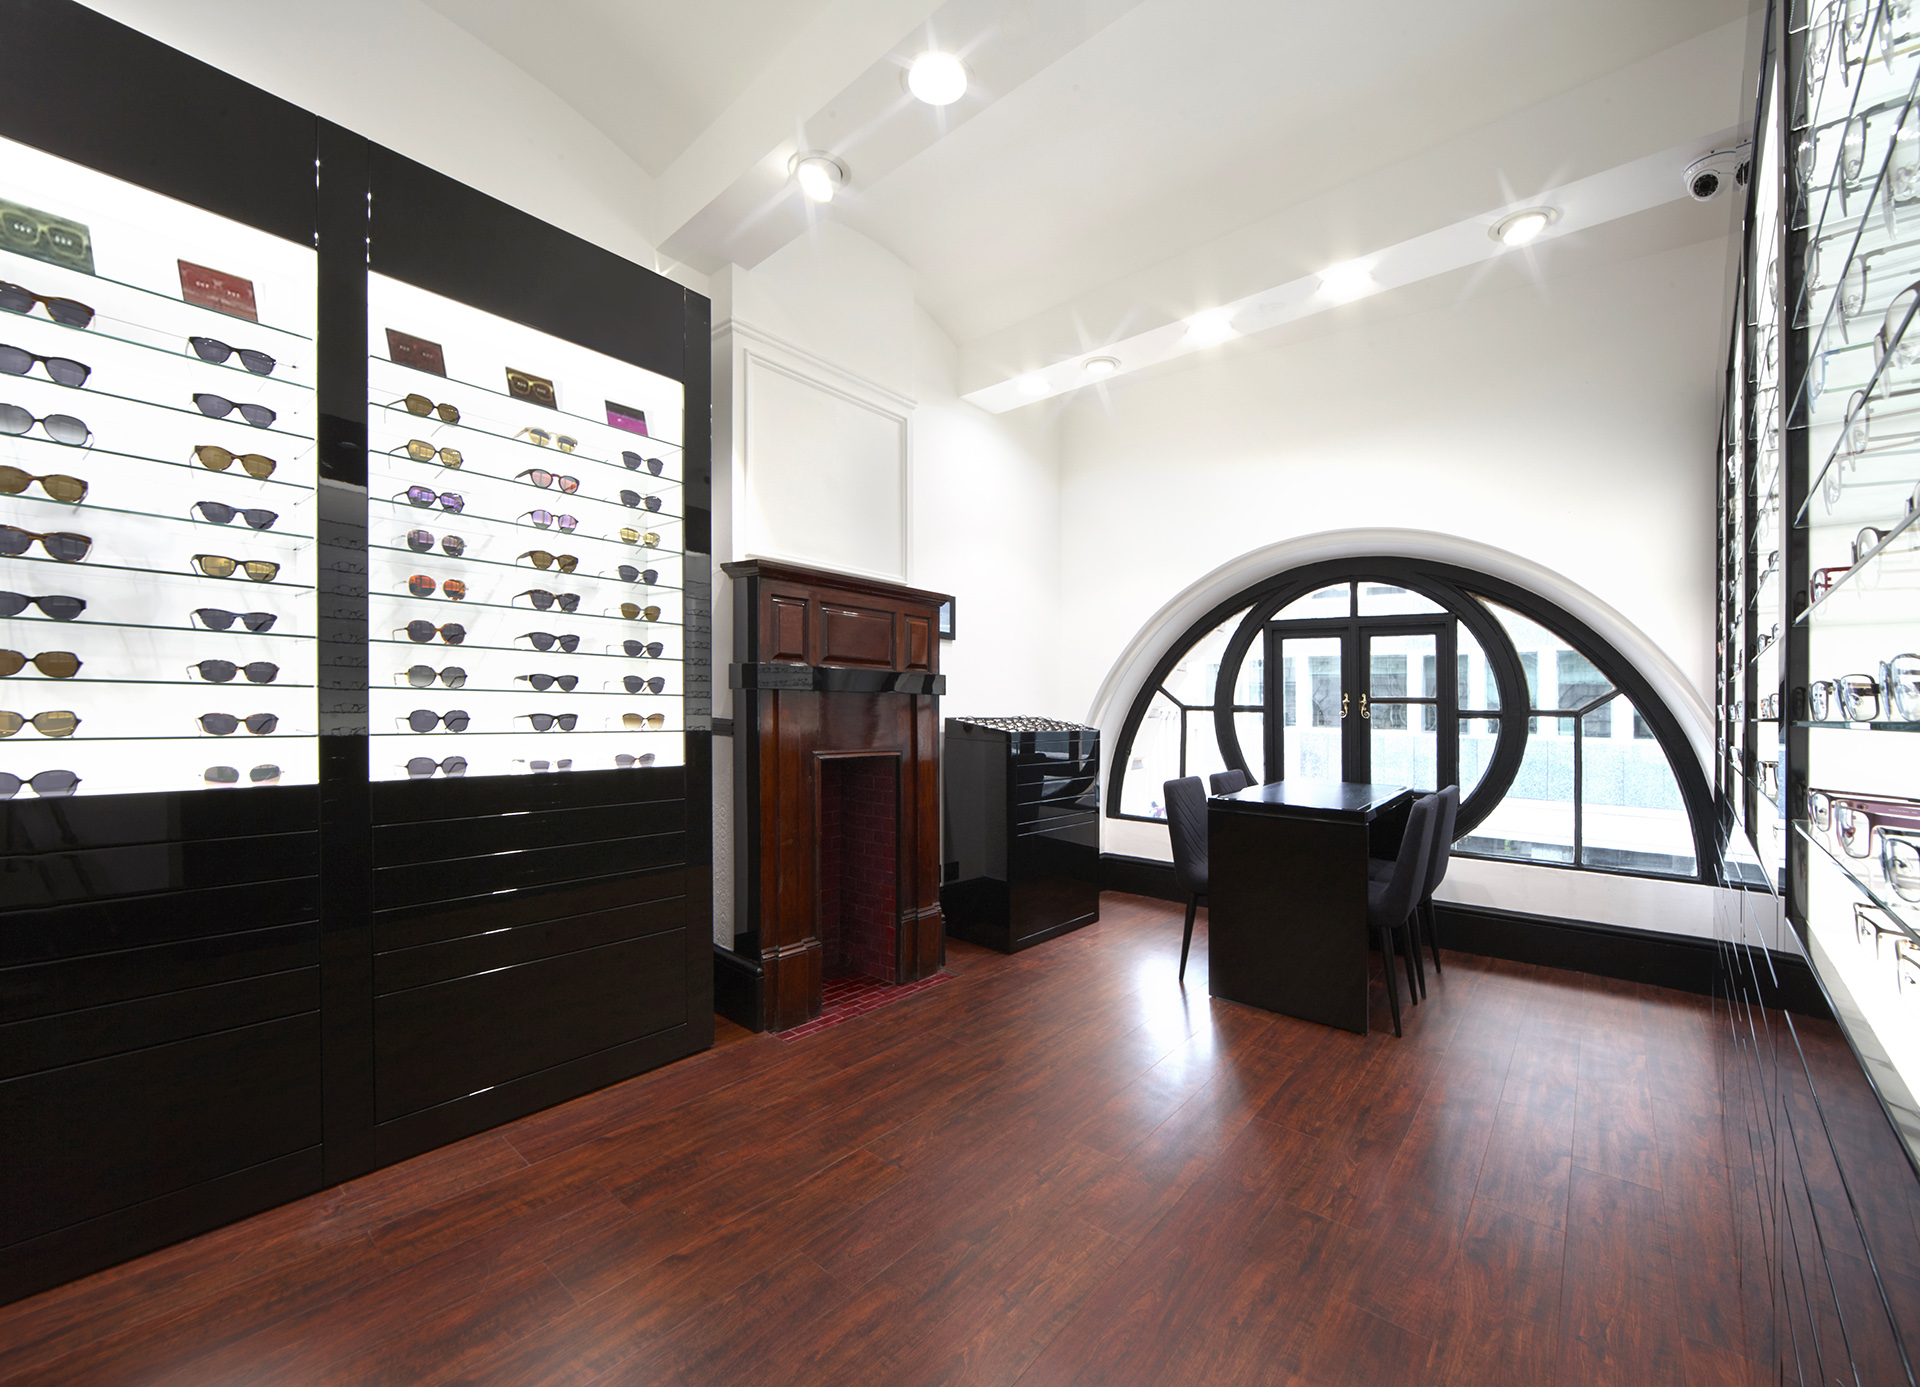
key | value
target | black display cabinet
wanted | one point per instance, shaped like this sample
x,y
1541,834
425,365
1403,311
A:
x,y
262,928
1022,828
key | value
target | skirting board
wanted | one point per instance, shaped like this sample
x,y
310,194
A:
x,y
739,989
1682,962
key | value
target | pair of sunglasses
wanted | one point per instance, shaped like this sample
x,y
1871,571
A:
x,y
225,724
559,440
54,605
542,559
426,720
422,676
61,546
545,722
227,775
626,761
421,451
632,536
566,682
216,619
219,460
219,407
629,573
420,585
55,664
220,566
546,640
634,498
222,671
542,599
643,719
423,767
421,405
635,684
61,370
47,784
635,462
57,485
422,540
221,513
425,496
67,312
539,476
61,428
57,724
650,649
421,632
541,767
546,519
214,350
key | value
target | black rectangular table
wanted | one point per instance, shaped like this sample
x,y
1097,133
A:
x,y
1287,894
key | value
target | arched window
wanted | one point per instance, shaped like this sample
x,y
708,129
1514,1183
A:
x,y
1410,672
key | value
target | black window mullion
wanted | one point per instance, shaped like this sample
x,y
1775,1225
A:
x,y
1579,767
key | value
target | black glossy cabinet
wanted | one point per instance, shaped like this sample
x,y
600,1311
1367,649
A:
x,y
1022,829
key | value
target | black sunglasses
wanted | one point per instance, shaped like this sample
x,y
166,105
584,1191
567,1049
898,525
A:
x,y
219,407
423,767
545,640
214,350
542,599
422,676
635,683
61,428
222,514
214,619
425,720
635,462
223,724
543,722
47,784
57,606
634,498
543,682
222,671
650,649
61,370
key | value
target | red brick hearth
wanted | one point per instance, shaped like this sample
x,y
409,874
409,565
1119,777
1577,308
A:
x,y
859,808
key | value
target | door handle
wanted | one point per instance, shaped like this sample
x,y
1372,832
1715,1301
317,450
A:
x,y
1343,706
1365,712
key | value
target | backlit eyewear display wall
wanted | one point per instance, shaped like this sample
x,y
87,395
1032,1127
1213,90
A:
x,y
525,539
157,517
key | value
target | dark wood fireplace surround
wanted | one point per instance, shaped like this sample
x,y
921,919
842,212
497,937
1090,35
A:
x,y
826,666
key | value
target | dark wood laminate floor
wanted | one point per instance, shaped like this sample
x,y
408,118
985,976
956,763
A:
x,y
1059,1169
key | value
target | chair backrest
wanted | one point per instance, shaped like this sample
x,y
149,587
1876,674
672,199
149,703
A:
x,y
1449,814
1226,782
1187,825
1410,867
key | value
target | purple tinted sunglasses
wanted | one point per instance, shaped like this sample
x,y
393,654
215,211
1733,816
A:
x,y
545,519
424,496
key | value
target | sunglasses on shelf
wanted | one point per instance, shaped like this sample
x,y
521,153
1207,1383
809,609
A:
x,y
650,649
426,720
56,724
547,519
60,546
632,536
426,496
630,574
219,460
627,761
223,671
539,476
421,451
220,566
634,498
67,312
543,438
422,676
546,640
420,632
222,514
216,619
57,485
47,784
543,682
61,428
225,724
214,350
420,585
55,664
635,684
565,763
61,370
421,405
543,722
422,540
1859,697
522,386
633,611
542,599
228,775
542,559
635,462
643,719
219,407
54,605
423,767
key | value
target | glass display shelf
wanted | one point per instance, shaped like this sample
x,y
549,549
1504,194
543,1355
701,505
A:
x,y
425,381
1862,726
60,513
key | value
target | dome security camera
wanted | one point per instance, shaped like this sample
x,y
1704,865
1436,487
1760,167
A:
x,y
1707,177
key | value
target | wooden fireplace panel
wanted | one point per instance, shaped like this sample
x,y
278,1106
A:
x,y
787,628
861,636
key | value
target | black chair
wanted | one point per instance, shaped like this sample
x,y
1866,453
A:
x,y
1187,826
1391,903
1446,814
1226,782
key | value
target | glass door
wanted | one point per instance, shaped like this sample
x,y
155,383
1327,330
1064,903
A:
x,y
1307,732
1363,700
1401,708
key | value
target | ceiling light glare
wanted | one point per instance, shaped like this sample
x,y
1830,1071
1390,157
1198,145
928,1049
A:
x,y
1215,325
1518,228
1347,281
939,79
1100,366
818,175
1033,386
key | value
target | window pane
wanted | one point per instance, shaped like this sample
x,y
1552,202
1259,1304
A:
x,y
1388,679
1310,734
1193,678
1203,747
1250,686
1631,814
1534,821
1478,688
1579,683
1154,760
1252,728
1477,736
1335,601
1382,599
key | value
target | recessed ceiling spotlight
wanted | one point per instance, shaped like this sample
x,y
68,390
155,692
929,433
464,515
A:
x,y
1098,366
818,175
939,79
1033,386
1215,325
1349,280
1518,228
